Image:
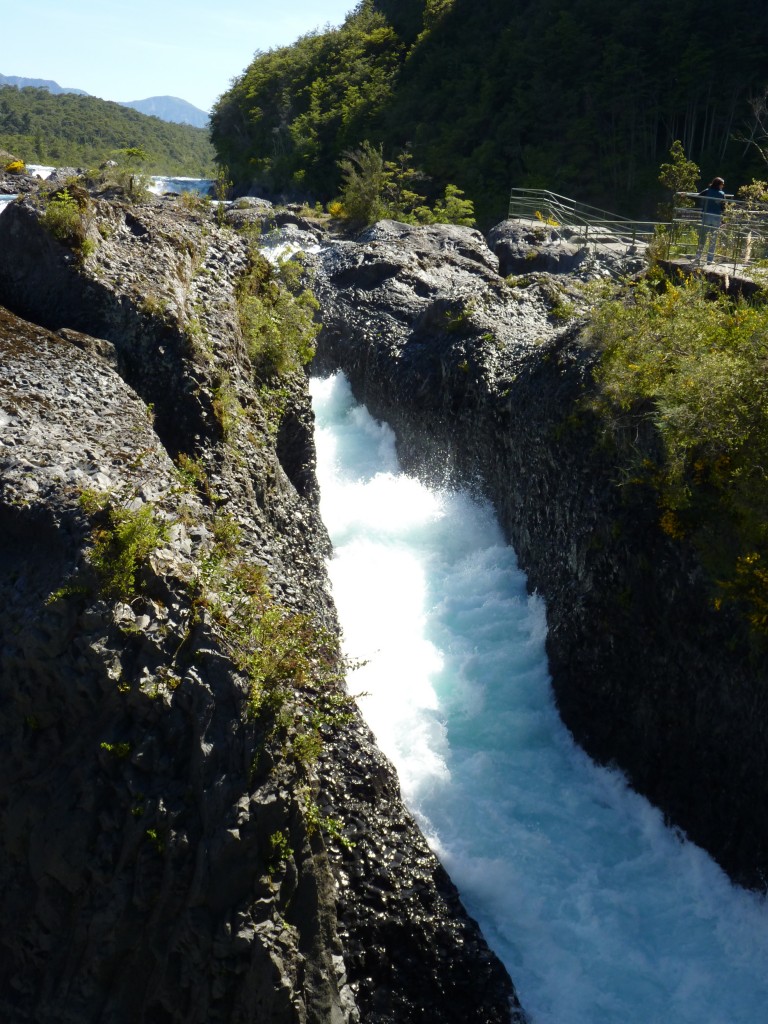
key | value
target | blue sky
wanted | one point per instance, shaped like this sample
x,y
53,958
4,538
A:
x,y
131,50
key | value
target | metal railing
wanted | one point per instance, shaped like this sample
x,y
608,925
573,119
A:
x,y
588,224
740,240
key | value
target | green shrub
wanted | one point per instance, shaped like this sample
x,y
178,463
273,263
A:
x,y
123,540
226,406
454,209
194,201
363,179
280,851
127,170
276,317
63,218
695,366
374,188
15,167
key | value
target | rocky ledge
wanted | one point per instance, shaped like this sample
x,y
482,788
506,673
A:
x,y
188,832
483,379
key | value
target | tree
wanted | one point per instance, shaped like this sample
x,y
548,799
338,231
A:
x,y
454,209
374,188
363,177
129,169
680,175
757,138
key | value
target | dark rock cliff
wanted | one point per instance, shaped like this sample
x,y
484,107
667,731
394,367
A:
x,y
483,382
166,855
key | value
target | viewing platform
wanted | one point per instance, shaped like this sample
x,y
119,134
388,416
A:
x,y
741,244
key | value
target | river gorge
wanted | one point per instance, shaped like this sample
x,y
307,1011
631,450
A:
x,y
599,911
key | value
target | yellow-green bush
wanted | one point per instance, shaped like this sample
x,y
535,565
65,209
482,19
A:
x,y
15,167
276,317
63,217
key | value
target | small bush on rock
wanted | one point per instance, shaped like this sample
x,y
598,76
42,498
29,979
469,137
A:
x,y
123,540
374,188
276,317
65,218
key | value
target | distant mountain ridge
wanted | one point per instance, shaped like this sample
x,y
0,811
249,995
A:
x,y
167,108
38,83
170,108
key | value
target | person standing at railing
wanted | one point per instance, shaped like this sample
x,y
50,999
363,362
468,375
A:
x,y
711,218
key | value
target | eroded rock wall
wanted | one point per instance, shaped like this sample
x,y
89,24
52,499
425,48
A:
x,y
163,851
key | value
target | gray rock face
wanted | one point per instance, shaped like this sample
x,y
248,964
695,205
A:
x,y
523,247
13,184
483,382
163,855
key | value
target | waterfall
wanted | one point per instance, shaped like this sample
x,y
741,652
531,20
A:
x,y
601,914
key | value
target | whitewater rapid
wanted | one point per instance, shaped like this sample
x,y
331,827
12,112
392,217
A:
x,y
162,184
601,914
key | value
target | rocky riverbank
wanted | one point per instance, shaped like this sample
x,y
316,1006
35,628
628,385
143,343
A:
x,y
486,380
185,836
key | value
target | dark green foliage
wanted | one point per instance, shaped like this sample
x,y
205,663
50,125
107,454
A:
x,y
373,188
82,131
287,120
123,540
694,367
585,99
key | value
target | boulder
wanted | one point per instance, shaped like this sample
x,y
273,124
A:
x,y
525,247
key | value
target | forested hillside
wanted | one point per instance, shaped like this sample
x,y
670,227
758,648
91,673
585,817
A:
x,y
69,129
583,97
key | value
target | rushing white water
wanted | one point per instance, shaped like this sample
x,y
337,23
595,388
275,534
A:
x,y
43,171
600,913
5,200
161,184
282,244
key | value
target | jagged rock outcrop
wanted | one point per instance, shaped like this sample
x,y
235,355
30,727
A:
x,y
166,852
587,253
17,184
484,382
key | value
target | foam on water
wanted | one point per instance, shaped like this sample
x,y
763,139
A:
x,y
43,171
601,914
162,184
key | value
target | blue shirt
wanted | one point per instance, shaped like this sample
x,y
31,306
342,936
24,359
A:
x,y
714,198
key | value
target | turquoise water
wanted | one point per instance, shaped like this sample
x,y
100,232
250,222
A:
x,y
600,913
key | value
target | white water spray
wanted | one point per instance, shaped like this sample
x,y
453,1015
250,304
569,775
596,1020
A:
x,y
161,184
600,913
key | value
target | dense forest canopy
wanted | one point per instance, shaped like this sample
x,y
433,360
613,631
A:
x,y
81,131
583,97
